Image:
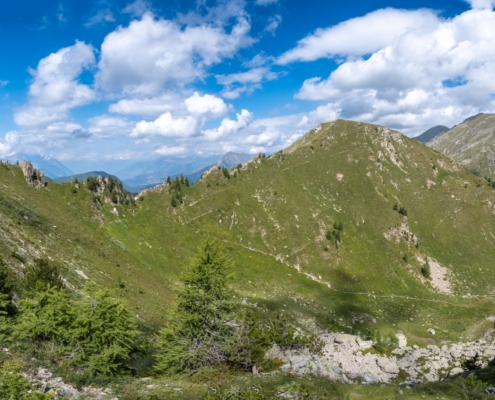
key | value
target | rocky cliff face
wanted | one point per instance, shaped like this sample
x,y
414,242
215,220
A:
x,y
33,176
472,143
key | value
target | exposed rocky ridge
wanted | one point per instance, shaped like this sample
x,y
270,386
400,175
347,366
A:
x,y
34,177
472,143
347,358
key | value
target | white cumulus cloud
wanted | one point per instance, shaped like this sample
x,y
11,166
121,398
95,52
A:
x,y
170,150
361,35
229,126
55,88
152,55
429,74
197,109
482,4
9,144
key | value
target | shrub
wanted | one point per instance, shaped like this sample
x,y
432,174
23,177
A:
x,y
403,211
173,202
12,384
96,332
44,315
92,183
426,271
7,308
103,334
335,234
226,172
41,275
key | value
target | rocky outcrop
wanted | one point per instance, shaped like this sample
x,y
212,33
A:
x,y
348,358
34,177
43,381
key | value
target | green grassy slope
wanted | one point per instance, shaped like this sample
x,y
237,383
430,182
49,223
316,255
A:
x,y
272,219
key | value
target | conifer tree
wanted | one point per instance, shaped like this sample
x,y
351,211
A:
x,y
103,333
426,270
200,332
6,290
187,181
168,180
42,274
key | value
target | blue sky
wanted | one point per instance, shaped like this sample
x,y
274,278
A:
x,y
103,83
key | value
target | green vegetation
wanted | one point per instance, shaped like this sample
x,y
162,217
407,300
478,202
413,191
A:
x,y
426,270
210,329
42,275
276,242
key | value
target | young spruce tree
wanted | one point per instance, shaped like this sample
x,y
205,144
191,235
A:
x,y
201,330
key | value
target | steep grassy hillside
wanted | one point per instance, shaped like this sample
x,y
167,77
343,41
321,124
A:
x,y
273,216
471,143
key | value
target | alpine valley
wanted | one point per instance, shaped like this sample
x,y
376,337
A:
x,y
378,244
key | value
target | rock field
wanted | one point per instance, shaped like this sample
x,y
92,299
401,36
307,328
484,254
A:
x,y
348,358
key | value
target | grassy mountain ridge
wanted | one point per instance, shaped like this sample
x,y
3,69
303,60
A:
x,y
273,219
471,143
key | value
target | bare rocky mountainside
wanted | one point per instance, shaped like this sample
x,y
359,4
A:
x,y
471,143
377,243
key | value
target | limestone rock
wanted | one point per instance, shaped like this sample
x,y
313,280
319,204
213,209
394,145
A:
x,y
33,176
402,340
387,366
343,338
431,331
489,352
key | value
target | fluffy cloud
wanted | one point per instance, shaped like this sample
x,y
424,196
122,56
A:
x,y
207,106
100,17
164,54
273,24
361,35
55,88
137,8
197,110
241,82
426,75
482,4
149,106
8,146
105,126
230,127
170,150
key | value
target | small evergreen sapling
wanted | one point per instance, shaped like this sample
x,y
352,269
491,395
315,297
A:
x,y
41,275
426,270
201,330
7,308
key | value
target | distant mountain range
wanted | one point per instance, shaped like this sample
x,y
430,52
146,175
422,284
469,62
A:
x,y
431,133
155,171
86,175
146,174
50,166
